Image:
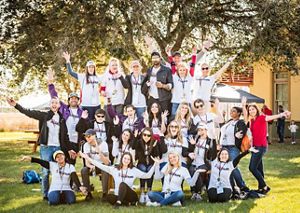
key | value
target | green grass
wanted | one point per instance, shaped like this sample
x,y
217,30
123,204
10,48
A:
x,y
282,167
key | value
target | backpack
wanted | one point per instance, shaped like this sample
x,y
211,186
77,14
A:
x,y
31,176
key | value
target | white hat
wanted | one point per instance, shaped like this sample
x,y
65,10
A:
x,y
90,63
202,126
57,152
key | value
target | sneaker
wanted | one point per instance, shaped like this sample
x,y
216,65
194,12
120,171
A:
x,y
178,203
263,191
117,205
155,204
293,142
147,199
245,189
143,198
89,197
194,196
198,197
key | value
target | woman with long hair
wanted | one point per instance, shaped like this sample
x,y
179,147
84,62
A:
x,y
89,85
124,175
173,174
156,119
184,118
113,84
145,146
258,128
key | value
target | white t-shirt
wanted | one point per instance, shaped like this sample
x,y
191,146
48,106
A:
x,y
153,91
71,123
53,133
93,152
114,89
173,181
293,128
184,128
138,99
174,145
199,151
129,123
156,126
127,176
90,91
60,177
220,170
182,90
203,86
100,131
117,152
209,119
227,134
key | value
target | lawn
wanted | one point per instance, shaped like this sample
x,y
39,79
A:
x,y
282,166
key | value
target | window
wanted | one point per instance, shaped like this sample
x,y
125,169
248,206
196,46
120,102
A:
x,y
281,91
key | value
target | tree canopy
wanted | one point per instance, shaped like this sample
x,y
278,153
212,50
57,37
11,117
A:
x,y
35,32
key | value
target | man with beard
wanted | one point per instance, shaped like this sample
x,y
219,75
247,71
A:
x,y
159,83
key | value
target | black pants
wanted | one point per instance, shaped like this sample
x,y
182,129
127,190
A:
x,y
214,197
165,105
202,178
126,195
85,175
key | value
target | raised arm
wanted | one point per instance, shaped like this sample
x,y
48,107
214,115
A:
x,y
285,114
70,70
225,66
219,117
43,163
193,61
236,161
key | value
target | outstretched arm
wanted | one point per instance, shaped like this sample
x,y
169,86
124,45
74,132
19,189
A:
x,y
70,70
224,68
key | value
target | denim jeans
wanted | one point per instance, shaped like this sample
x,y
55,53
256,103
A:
x,y
159,197
140,111
145,168
256,166
174,109
235,176
54,197
46,153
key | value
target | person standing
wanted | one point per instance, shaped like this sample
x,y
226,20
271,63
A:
x,y
280,125
159,83
89,85
293,128
53,135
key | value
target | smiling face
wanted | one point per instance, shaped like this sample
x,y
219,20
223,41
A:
x,y
100,117
155,60
224,156
199,107
60,158
136,67
146,135
125,136
173,128
113,66
130,111
234,114
252,111
177,59
54,104
73,101
91,69
154,108
173,159
184,109
205,69
202,132
126,160
91,139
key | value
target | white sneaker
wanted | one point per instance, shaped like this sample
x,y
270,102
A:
x,y
155,204
198,197
293,142
142,198
194,196
147,199
178,203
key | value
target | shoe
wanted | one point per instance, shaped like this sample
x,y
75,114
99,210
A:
x,y
178,203
198,197
263,191
293,142
245,189
117,205
194,196
143,198
89,197
147,199
155,204
45,198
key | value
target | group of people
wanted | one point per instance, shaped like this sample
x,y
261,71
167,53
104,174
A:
x,y
165,128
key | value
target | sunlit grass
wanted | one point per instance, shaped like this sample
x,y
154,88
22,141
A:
x,y
282,168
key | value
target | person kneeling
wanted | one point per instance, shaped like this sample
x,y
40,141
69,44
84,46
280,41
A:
x,y
62,172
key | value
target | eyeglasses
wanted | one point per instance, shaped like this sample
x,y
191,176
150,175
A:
x,y
205,68
146,135
175,127
88,136
100,116
199,106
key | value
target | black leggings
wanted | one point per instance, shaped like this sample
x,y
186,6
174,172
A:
x,y
213,196
202,178
126,195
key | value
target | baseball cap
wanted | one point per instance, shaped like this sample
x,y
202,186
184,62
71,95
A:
x,y
56,153
89,132
90,63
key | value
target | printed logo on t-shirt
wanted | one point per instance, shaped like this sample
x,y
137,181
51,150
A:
x,y
125,175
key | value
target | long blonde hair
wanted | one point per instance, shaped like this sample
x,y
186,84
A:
x,y
187,116
179,135
170,167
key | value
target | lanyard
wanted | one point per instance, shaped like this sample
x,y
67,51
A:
x,y
205,121
131,124
202,79
122,151
100,130
122,175
135,81
183,81
172,175
73,116
220,169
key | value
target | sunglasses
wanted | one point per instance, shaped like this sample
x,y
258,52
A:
x,y
146,135
205,68
199,106
88,136
100,116
175,127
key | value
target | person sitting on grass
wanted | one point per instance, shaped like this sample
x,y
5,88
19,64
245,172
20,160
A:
x,y
124,175
173,174
62,173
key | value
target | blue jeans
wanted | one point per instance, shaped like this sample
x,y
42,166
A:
x,y
46,153
55,197
235,176
256,166
159,197
174,109
140,111
145,168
